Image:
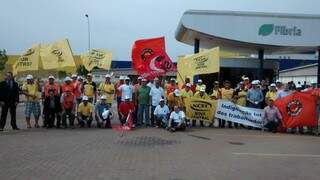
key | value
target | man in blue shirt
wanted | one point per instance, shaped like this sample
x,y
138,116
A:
x,y
254,96
102,113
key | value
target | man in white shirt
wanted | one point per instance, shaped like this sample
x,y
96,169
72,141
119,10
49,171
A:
x,y
161,114
156,93
152,82
126,89
177,120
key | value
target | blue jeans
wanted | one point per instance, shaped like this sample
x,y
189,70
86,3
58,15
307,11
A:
x,y
143,109
152,115
161,120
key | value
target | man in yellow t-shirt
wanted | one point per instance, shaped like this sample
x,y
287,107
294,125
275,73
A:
x,y
107,89
174,99
32,93
186,93
226,94
201,94
89,88
200,85
85,110
272,93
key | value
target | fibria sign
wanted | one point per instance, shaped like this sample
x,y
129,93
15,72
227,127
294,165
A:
x,y
282,30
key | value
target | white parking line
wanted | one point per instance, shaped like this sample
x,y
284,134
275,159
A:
x,y
278,155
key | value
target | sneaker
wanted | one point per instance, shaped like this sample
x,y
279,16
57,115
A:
x,y
16,128
1,129
28,126
36,126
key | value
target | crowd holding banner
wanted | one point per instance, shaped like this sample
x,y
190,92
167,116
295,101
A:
x,y
151,101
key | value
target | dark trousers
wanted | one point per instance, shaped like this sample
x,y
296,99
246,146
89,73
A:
x,y
50,117
68,113
272,126
4,114
85,120
194,122
152,115
108,123
118,104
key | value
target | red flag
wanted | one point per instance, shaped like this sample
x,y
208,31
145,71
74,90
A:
x,y
149,58
298,109
127,126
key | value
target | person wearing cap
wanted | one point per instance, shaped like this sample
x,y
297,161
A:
x,y
271,116
254,95
138,84
279,85
272,93
9,99
103,113
125,108
240,95
107,89
161,114
85,111
51,109
67,84
170,87
32,104
227,95
51,85
126,89
247,84
156,93
285,91
192,87
89,88
201,94
135,90
200,85
76,87
174,99
68,104
177,120
216,92
298,88
186,93
143,97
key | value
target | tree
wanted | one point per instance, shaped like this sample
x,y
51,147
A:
x,y
81,70
3,59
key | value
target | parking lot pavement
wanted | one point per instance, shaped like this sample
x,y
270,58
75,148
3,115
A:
x,y
150,153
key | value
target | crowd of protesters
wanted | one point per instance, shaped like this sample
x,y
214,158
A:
x,y
152,103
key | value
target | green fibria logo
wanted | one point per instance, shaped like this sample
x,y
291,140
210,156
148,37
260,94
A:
x,y
268,29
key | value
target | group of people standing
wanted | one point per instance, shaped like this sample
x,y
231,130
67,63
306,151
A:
x,y
150,102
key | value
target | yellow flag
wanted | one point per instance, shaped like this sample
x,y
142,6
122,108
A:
x,y
29,61
57,55
200,109
97,58
205,62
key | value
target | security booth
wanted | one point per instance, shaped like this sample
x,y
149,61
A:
x,y
251,33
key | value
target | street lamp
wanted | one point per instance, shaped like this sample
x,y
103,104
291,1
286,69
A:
x,y
87,16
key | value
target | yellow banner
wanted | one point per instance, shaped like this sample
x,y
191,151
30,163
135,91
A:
x,y
200,109
29,61
97,58
205,62
57,55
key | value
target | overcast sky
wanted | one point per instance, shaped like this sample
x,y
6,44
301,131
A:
x,y
116,24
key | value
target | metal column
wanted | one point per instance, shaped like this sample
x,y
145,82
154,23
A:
x,y
260,57
196,46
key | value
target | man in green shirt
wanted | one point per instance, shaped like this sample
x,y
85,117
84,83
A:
x,y
143,103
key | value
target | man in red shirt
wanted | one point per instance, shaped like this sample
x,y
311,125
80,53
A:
x,y
77,87
68,104
51,86
125,108
67,85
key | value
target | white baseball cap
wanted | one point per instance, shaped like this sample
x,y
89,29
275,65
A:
x,y
172,79
298,86
161,99
278,81
145,80
29,77
74,76
177,92
127,78
139,78
255,82
85,98
103,97
199,81
67,79
51,77
107,76
273,85
188,85
245,78
202,89
80,77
